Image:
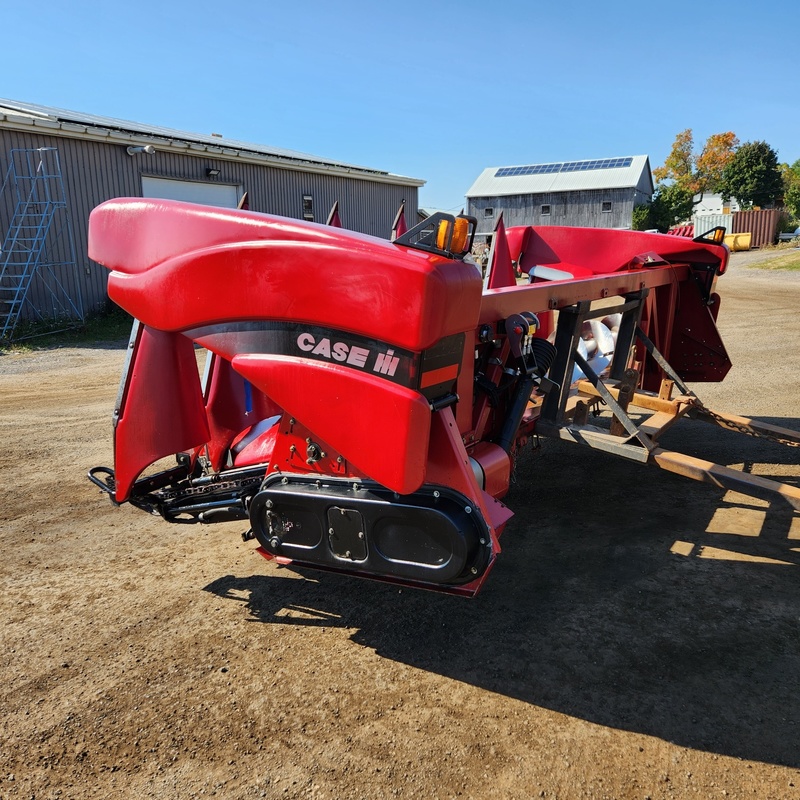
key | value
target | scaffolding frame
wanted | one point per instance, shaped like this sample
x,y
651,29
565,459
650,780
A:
x,y
38,246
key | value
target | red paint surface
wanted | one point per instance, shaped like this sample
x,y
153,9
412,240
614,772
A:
x,y
162,411
179,266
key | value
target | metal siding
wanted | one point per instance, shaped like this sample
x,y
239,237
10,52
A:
x,y
763,225
96,171
703,223
578,209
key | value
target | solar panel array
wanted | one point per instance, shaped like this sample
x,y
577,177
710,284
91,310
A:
x,y
566,166
113,123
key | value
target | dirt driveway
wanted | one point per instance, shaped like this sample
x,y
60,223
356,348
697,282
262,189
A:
x,y
639,636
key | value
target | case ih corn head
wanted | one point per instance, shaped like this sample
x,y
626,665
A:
x,y
364,401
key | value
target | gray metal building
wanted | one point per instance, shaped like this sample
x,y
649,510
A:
x,y
598,193
101,158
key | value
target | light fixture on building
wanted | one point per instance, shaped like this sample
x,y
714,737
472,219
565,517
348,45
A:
x,y
136,150
212,172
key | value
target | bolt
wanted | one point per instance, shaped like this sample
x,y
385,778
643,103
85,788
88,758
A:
x,y
292,449
347,554
436,493
292,421
331,531
468,509
483,541
274,542
361,534
339,459
269,503
474,570
284,481
308,440
322,454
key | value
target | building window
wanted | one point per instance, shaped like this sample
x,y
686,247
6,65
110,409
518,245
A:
x,y
606,206
488,212
308,207
546,210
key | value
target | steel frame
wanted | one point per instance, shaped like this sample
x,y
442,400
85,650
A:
x,y
557,415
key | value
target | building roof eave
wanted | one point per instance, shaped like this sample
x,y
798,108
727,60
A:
x,y
11,119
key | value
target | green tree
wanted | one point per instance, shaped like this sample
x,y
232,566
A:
x,y
697,172
791,188
641,218
679,164
671,204
752,176
685,174
715,156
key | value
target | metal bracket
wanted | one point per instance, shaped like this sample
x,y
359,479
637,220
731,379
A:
x,y
641,442
620,413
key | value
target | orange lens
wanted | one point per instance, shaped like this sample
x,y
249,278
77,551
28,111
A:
x,y
443,234
460,235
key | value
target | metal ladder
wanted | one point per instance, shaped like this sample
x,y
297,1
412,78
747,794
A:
x,y
38,231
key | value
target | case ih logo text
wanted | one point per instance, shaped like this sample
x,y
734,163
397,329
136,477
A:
x,y
385,363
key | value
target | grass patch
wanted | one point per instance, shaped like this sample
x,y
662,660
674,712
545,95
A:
x,y
110,327
789,261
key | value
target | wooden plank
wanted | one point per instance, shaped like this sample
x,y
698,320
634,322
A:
x,y
640,399
534,408
656,425
725,477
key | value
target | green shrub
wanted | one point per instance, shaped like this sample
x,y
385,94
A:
x,y
642,215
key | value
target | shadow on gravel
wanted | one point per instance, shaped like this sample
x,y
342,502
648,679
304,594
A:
x,y
624,596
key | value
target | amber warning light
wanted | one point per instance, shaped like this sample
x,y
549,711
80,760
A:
x,y
715,236
452,235
443,234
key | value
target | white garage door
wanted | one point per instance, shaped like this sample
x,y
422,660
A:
x,y
209,194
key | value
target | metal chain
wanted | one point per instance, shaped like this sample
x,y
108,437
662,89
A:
x,y
211,488
724,422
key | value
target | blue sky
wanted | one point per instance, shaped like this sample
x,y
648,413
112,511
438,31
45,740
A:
x,y
434,90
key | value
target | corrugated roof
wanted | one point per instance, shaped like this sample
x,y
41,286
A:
x,y
76,123
609,173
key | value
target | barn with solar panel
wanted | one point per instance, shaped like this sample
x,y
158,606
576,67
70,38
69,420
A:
x,y
599,193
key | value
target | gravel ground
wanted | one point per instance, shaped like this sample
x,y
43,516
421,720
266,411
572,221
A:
x,y
639,637
752,258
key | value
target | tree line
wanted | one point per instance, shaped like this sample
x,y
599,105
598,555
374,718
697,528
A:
x,y
748,172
